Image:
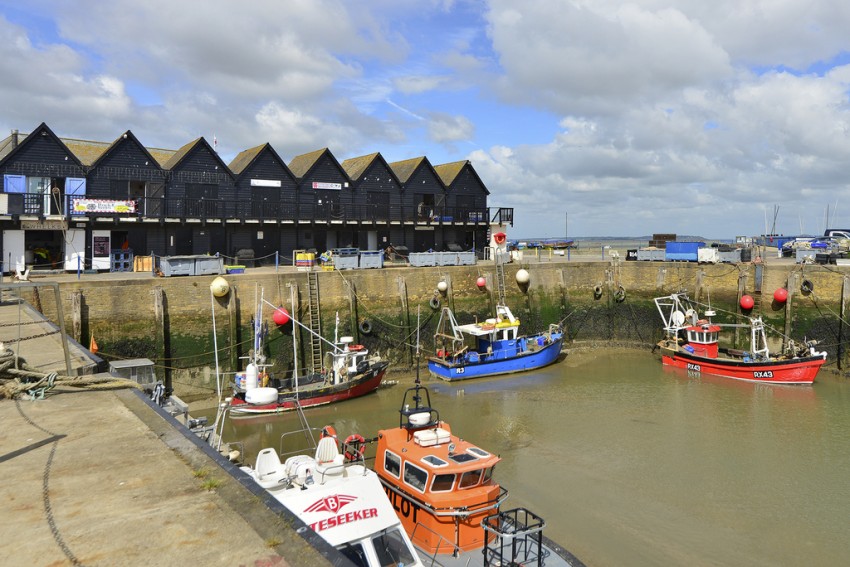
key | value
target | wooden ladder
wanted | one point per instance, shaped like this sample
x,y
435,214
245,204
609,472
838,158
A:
x,y
314,320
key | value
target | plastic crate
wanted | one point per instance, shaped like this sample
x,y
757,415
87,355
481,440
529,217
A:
x,y
346,258
372,259
423,259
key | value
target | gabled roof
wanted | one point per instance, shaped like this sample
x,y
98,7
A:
x,y
404,170
178,156
9,143
127,136
301,165
42,130
449,172
245,158
357,167
181,154
242,162
87,151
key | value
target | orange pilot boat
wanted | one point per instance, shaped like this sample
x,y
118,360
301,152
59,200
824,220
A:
x,y
443,490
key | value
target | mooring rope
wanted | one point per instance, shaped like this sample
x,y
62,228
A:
x,y
18,379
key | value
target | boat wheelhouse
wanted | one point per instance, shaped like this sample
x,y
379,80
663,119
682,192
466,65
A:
x,y
444,492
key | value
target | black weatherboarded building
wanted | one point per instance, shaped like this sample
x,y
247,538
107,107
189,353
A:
x,y
76,204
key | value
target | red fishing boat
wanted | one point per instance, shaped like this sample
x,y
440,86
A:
x,y
691,342
444,493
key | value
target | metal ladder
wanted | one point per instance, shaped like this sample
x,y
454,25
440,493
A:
x,y
315,321
500,277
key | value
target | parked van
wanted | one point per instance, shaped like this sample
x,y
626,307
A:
x,y
837,232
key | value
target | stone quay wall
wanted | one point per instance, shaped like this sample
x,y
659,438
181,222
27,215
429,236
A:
x,y
170,320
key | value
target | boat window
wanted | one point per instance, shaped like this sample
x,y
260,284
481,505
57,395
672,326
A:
x,y
392,464
463,458
392,550
415,477
442,482
355,553
470,478
435,461
488,474
478,452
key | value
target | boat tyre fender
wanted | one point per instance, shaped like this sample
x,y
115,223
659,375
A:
x,y
597,291
366,327
355,447
620,294
434,303
807,286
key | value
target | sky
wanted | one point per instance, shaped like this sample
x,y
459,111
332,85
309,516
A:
x,y
589,118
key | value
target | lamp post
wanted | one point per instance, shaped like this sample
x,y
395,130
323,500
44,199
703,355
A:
x,y
567,233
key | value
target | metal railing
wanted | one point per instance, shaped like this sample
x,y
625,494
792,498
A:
x,y
73,206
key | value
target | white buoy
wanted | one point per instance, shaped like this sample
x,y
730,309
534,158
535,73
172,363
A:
x,y
219,287
522,276
251,376
442,286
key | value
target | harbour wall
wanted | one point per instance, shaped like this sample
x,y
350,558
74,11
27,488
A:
x,y
599,303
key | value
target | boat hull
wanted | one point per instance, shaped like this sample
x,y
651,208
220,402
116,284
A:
x,y
313,396
792,371
465,369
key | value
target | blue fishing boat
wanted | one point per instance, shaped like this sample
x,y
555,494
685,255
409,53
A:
x,y
490,348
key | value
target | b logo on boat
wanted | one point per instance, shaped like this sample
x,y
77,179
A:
x,y
330,504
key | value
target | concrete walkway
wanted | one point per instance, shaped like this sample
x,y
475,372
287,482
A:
x,y
104,478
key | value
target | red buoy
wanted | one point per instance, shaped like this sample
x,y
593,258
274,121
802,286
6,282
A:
x,y
481,282
747,302
780,295
281,316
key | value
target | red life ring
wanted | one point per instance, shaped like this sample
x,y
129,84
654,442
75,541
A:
x,y
355,447
328,431
356,347
499,237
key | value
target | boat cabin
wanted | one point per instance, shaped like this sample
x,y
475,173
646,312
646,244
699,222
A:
x,y
441,486
702,338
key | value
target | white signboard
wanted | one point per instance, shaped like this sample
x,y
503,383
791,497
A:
x,y
265,183
322,185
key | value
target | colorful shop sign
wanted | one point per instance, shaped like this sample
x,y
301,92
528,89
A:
x,y
107,206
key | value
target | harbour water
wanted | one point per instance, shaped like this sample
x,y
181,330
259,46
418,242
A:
x,y
634,464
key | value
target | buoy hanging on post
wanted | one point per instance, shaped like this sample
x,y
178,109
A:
x,y
747,302
780,295
597,291
219,287
522,276
481,282
442,286
281,316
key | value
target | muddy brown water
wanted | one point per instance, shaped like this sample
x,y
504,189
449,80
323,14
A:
x,y
632,463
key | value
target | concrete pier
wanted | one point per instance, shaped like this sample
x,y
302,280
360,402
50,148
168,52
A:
x,y
102,478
